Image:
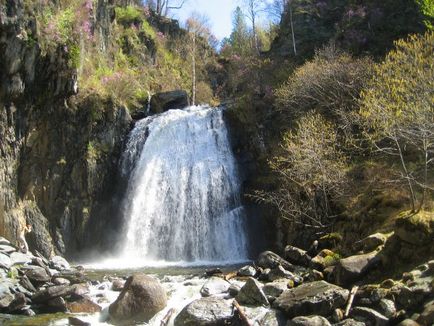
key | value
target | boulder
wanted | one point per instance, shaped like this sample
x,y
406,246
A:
x,y
215,286
75,291
118,285
4,241
25,282
172,100
5,261
61,281
18,258
269,259
417,229
296,256
7,249
142,297
37,275
350,322
323,259
74,321
309,321
273,318
59,263
369,316
275,288
372,242
83,305
353,268
210,311
319,298
247,271
53,305
387,308
251,294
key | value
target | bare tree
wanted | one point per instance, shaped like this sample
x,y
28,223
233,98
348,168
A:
x,y
253,9
276,9
162,7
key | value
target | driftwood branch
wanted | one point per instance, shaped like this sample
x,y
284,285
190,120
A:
x,y
243,317
166,319
350,300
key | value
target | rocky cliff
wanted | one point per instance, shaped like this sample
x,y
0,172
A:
x,y
57,156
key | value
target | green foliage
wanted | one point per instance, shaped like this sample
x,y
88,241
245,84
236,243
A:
x,y
128,15
427,9
149,31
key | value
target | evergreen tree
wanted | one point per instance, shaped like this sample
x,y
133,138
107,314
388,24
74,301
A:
x,y
239,39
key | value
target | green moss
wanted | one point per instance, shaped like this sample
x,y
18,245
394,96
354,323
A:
x,y
148,30
128,15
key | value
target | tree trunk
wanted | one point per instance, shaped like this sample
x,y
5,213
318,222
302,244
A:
x,y
292,28
407,175
193,91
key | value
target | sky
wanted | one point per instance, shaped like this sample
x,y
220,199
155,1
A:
x,y
218,11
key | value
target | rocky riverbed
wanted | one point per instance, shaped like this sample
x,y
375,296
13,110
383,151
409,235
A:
x,y
300,288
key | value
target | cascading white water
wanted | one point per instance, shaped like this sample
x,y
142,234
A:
x,y
182,201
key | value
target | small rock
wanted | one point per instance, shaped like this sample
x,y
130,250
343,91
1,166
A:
x,y
25,282
74,321
247,271
118,285
18,303
350,322
7,249
275,288
18,258
212,272
324,259
387,284
84,305
368,315
269,259
28,312
234,289
5,261
252,294
59,263
61,281
372,242
38,275
427,315
279,272
206,312
57,304
273,318
338,315
4,241
387,308
214,286
309,321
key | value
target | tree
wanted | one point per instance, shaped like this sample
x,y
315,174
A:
x,y
198,26
162,7
312,173
239,38
398,110
253,8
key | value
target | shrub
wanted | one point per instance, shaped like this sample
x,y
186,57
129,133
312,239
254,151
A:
x,y
128,15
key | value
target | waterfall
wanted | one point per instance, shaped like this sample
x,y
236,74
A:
x,y
182,200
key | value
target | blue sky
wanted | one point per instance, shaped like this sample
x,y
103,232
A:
x,y
218,11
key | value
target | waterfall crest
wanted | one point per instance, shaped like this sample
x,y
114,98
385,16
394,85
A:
x,y
182,201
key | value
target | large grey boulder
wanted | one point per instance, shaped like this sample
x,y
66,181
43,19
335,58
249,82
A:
x,y
247,271
297,256
275,288
309,321
37,275
142,297
59,263
215,286
319,298
162,102
251,294
209,311
351,269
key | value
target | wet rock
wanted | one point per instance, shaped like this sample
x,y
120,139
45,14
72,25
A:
x,y
5,261
142,297
213,272
7,249
234,289
118,285
25,282
369,316
4,241
84,305
74,321
215,286
75,291
269,259
319,298
162,102
387,308
279,272
350,322
297,256
59,263
37,275
273,318
53,305
351,269
309,321
18,258
409,298
247,271
427,315
209,311
251,294
61,281
6,299
275,288
75,277
37,261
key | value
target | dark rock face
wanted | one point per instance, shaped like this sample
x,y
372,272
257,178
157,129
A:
x,y
319,298
162,102
141,298
209,311
56,157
